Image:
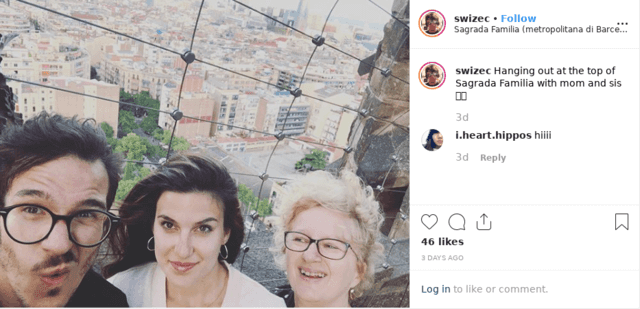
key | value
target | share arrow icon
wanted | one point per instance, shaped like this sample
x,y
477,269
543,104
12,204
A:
x,y
484,226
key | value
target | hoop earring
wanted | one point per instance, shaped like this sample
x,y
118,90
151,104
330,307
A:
x,y
149,243
224,257
352,293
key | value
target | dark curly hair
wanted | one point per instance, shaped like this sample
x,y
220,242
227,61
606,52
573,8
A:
x,y
45,138
182,173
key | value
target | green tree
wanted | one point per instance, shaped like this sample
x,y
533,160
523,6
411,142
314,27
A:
x,y
108,130
153,150
144,99
166,136
124,186
142,102
132,146
264,208
125,97
157,134
133,173
160,152
144,172
148,124
130,170
112,142
126,121
139,99
178,143
316,159
246,196
150,152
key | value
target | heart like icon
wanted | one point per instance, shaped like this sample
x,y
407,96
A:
x,y
429,220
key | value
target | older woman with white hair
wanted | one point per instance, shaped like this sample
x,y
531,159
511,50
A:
x,y
327,239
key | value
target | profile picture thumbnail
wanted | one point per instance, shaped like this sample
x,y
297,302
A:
x,y
432,23
432,140
432,75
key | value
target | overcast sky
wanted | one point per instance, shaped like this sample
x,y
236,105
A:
x,y
352,9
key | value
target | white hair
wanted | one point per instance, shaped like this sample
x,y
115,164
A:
x,y
347,194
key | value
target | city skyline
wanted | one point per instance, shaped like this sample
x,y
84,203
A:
x,y
236,102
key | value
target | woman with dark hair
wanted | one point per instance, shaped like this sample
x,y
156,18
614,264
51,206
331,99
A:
x,y
183,227
434,140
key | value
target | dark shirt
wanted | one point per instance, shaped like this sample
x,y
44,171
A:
x,y
287,294
95,291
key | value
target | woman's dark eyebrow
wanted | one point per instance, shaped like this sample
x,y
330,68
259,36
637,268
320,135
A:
x,y
207,220
166,218
199,222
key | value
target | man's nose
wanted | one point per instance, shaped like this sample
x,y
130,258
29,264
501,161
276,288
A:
x,y
58,242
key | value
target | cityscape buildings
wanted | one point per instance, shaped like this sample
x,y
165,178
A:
x,y
239,90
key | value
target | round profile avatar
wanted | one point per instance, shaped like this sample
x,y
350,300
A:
x,y
432,23
432,75
432,140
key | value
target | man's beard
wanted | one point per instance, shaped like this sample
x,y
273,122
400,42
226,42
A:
x,y
11,267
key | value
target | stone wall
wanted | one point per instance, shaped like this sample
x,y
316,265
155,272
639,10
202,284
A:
x,y
381,150
380,155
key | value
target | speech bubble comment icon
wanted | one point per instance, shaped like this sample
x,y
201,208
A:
x,y
456,222
429,220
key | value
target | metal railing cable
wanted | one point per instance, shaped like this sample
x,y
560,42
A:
x,y
188,57
309,36
296,93
165,112
275,20
181,54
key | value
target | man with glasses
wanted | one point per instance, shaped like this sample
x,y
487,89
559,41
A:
x,y
58,179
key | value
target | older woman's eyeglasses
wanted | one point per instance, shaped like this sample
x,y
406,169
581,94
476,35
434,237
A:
x,y
330,248
30,224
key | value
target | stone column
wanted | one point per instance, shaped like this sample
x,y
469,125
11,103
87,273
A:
x,y
381,150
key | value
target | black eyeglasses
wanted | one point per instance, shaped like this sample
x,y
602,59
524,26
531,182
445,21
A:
x,y
330,248
29,224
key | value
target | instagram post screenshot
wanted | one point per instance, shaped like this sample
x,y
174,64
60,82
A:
x,y
205,153
256,153
525,146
